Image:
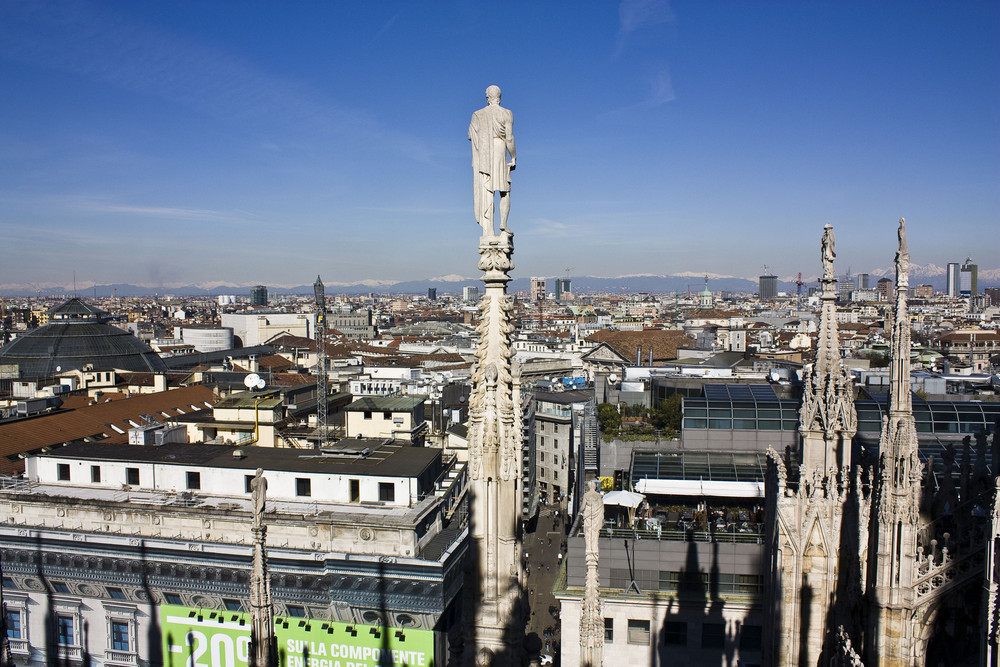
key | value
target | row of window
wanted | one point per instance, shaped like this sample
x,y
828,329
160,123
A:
x,y
303,485
120,631
675,633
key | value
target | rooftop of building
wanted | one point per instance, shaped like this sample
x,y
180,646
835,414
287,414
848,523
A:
x,y
106,422
356,456
78,337
386,404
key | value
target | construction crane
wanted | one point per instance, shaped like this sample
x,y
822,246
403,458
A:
x,y
798,292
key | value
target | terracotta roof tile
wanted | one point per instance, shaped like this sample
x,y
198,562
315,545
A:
x,y
664,343
29,435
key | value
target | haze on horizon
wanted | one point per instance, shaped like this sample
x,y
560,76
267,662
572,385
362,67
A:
x,y
184,143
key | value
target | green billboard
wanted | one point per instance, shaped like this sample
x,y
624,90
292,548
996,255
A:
x,y
210,638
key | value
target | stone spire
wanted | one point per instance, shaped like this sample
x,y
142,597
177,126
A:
x,y
827,421
894,537
805,517
591,618
262,641
494,591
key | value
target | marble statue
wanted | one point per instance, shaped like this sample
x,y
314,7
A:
x,y
491,132
828,252
258,487
593,516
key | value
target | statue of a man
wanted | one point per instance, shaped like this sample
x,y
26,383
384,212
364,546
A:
x,y
828,253
491,132
593,517
258,487
903,254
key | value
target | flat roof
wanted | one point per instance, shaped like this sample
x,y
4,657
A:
x,y
700,466
386,403
385,458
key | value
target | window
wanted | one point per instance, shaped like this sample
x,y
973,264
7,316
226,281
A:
x,y
750,638
64,630
386,492
233,605
675,633
541,457
355,490
172,598
60,587
194,480
117,594
296,611
132,476
14,627
713,635
386,415
609,630
638,631
368,414
120,636
95,474
248,483
62,470
303,486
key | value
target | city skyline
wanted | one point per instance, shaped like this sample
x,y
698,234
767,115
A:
x,y
221,142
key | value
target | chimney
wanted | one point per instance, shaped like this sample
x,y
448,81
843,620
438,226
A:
x,y
638,355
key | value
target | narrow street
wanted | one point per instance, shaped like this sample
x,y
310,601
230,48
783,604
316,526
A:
x,y
542,550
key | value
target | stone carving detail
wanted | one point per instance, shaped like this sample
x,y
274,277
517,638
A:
x,y
591,618
262,641
844,654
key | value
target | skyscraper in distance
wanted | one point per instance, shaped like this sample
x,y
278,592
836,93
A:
x,y
954,280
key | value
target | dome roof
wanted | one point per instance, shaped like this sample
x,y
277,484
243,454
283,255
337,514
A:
x,y
76,336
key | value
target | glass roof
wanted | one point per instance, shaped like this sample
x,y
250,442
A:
x,y
708,466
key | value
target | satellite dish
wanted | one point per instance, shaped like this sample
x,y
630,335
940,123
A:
x,y
254,381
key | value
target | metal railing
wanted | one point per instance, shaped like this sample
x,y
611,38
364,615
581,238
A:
x,y
681,535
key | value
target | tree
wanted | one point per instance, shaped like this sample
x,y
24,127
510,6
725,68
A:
x,y
666,416
609,418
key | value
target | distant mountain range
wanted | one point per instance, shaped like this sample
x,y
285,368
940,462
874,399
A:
x,y
929,274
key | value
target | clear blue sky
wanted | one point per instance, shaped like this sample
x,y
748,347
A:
x,y
191,142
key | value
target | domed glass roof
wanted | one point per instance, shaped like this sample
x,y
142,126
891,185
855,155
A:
x,y
76,336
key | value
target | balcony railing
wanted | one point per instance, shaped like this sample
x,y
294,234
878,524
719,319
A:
x,y
120,658
19,646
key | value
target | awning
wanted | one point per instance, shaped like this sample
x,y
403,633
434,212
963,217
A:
x,y
623,498
698,487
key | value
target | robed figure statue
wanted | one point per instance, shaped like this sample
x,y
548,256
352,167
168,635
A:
x,y
491,132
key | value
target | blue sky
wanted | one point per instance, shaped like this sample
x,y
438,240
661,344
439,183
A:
x,y
194,142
